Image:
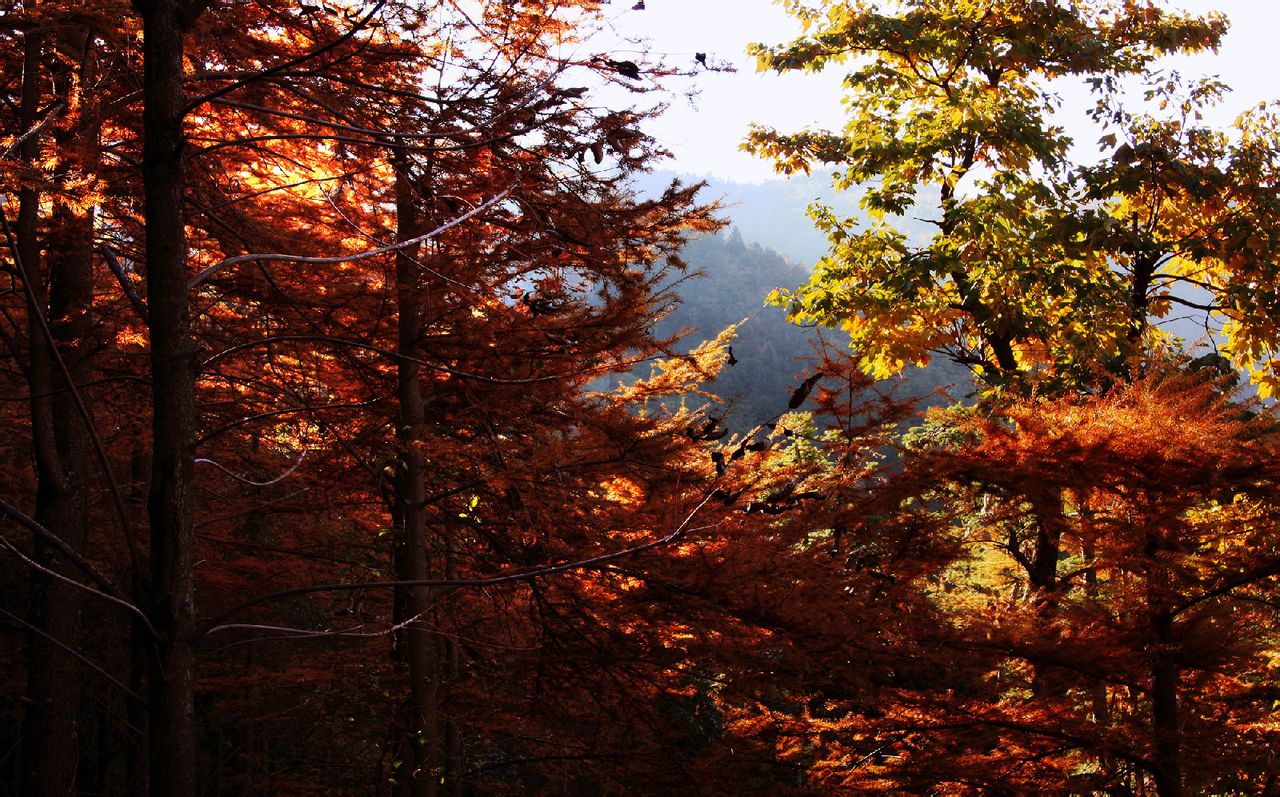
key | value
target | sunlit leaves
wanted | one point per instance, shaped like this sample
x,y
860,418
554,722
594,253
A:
x,y
1039,269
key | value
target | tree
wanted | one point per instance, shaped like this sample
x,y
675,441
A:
x,y
1048,277
929,664
317,232
54,54
1039,268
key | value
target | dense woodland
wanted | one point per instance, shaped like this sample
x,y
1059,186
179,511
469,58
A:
x,y
348,444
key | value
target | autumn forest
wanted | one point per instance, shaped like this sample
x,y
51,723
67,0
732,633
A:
x,y
348,445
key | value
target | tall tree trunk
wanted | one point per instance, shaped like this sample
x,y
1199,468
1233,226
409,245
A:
x,y
1165,675
58,322
1144,270
1098,690
170,503
62,507
1043,575
137,717
420,647
1166,722
48,760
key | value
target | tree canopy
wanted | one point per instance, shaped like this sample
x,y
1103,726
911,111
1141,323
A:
x,y
1040,267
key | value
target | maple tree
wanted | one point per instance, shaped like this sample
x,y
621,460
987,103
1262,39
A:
x,y
1040,267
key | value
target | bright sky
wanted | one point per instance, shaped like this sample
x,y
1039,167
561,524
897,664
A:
x,y
705,134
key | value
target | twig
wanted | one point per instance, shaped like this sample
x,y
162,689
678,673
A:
x,y
75,653
54,111
231,261
130,607
301,456
135,556
681,530
126,285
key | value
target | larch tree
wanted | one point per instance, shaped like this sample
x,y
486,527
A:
x,y
1147,668
55,58
348,256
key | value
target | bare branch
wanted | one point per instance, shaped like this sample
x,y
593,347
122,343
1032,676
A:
x,y
126,285
85,660
231,261
135,556
53,113
393,355
301,456
34,565
287,411
680,531
286,65
38,529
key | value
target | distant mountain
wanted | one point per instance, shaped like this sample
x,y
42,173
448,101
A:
x,y
771,244
736,277
773,213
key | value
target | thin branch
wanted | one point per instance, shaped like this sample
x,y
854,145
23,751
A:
x,y
1169,278
301,456
1208,308
285,65
38,529
310,633
333,178
456,583
54,111
287,411
393,355
1268,570
275,549
126,285
376,134
135,556
231,261
91,383
33,564
249,511
84,659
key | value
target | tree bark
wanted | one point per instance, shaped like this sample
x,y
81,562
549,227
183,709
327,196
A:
x,y
420,647
58,322
1166,723
48,760
1165,676
170,503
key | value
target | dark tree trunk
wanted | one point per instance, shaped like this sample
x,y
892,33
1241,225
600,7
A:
x,y
48,760
1044,558
1043,575
420,647
1144,270
1166,722
57,322
170,503
137,770
61,507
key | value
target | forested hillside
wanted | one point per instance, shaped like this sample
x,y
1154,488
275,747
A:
x,y
731,283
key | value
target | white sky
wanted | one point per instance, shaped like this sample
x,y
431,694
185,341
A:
x,y
705,135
